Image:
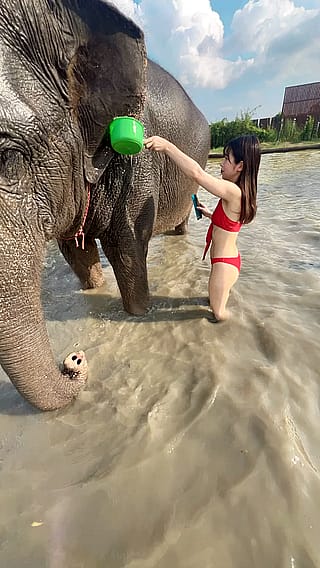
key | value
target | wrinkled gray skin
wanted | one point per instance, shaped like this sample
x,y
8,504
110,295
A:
x,y
67,67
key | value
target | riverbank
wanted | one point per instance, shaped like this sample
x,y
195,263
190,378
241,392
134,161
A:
x,y
266,149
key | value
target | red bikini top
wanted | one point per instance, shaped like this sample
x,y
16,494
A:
x,y
220,219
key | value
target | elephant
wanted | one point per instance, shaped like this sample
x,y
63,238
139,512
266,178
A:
x,y
67,68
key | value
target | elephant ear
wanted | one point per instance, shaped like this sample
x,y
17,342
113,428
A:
x,y
89,57
106,75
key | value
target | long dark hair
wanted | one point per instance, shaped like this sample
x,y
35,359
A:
x,y
246,149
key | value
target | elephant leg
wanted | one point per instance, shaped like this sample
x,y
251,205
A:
x,y
182,228
85,263
128,261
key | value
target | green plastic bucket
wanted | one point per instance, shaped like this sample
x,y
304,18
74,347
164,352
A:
x,y
126,135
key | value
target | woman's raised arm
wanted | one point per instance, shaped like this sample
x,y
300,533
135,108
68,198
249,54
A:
x,y
218,187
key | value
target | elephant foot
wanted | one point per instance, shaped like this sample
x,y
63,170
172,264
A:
x,y
95,279
75,366
136,309
181,229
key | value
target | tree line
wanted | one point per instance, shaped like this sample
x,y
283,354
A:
x,y
287,130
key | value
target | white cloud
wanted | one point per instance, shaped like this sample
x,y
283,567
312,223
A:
x,y
129,8
187,38
283,38
261,22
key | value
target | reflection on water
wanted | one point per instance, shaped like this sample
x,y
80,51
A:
x,y
194,444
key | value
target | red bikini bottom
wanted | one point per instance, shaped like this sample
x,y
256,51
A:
x,y
233,260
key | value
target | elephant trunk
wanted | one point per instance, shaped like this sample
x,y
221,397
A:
x,y
26,355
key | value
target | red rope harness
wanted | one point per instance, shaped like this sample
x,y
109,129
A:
x,y
80,234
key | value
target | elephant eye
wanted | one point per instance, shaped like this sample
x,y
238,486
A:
x,y
12,165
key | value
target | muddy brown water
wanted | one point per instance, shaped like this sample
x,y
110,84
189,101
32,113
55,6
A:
x,y
194,445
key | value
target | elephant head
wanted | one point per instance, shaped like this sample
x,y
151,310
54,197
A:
x,y
67,67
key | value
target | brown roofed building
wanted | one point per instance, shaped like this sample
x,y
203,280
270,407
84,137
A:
x,y
301,101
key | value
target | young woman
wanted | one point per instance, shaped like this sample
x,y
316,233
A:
x,y
237,206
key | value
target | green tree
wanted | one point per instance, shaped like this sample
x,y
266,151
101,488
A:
x,y
225,130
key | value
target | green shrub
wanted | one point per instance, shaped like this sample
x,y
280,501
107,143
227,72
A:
x,y
225,130
308,129
289,131
286,131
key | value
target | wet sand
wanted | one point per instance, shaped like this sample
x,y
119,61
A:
x,y
194,444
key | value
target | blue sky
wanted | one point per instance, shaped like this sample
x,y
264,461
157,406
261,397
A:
x,y
232,56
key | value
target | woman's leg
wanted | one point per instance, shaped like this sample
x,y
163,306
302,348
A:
x,y
222,277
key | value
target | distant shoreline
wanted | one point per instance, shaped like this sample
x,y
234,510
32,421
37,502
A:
x,y
276,150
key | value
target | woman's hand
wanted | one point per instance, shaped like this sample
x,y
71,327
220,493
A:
x,y
156,143
204,210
